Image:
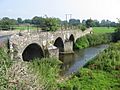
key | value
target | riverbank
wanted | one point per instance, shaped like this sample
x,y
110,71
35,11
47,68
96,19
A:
x,y
93,40
36,75
102,73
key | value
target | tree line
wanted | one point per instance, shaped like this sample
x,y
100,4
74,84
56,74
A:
x,y
52,24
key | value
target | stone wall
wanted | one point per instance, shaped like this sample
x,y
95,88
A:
x,y
46,40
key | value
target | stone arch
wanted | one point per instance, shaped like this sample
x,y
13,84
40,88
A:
x,y
72,38
32,51
59,44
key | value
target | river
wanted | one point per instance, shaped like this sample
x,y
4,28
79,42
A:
x,y
72,62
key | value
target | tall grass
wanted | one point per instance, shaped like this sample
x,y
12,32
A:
x,y
103,73
47,71
5,63
39,74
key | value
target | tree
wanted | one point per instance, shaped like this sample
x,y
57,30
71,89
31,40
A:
x,y
19,20
51,24
116,35
38,21
27,21
6,23
96,23
103,23
89,23
74,22
84,22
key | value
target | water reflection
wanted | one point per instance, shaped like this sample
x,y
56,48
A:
x,y
72,62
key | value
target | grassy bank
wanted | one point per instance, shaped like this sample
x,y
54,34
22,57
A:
x,y
103,29
5,63
93,40
36,75
103,73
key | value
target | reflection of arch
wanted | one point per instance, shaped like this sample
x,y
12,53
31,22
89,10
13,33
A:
x,y
71,38
59,44
32,51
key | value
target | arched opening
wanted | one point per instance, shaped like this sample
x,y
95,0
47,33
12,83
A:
x,y
32,51
71,38
59,44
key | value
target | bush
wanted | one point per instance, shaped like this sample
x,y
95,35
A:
x,y
93,40
50,24
82,27
82,42
47,71
108,60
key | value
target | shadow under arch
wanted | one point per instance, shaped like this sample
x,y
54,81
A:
x,y
32,51
59,44
71,38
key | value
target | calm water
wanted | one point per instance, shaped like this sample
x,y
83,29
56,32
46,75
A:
x,y
72,62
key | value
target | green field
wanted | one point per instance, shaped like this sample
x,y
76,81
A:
x,y
103,29
26,27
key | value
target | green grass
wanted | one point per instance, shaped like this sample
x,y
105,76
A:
x,y
47,71
102,73
24,27
5,63
103,29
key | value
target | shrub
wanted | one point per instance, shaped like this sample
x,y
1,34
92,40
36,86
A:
x,y
82,42
93,40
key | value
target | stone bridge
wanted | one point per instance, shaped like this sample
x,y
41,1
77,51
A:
x,y
37,44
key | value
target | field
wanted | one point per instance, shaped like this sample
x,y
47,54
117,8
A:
x,y
103,29
25,27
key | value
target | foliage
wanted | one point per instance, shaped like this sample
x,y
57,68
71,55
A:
x,y
27,21
103,73
96,23
6,23
107,60
89,23
19,20
107,23
117,32
51,24
15,75
82,27
5,63
38,21
82,42
92,40
97,39
47,71
74,22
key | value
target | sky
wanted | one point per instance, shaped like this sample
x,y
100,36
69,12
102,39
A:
x,y
80,9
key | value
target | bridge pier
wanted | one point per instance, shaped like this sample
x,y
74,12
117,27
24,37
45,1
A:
x,y
53,51
68,47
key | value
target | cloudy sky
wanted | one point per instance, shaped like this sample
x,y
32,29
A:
x,y
80,9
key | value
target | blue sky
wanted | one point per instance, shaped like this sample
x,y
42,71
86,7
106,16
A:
x,y
80,9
